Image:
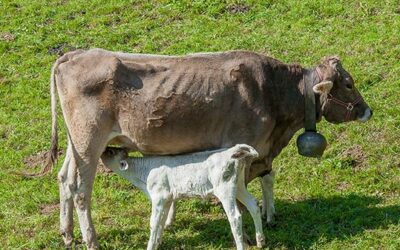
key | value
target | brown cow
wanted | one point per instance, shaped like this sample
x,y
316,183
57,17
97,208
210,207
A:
x,y
177,104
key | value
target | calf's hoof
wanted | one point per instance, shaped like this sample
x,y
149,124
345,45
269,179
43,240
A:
x,y
260,241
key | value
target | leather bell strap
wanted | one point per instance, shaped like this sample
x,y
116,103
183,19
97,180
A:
x,y
310,123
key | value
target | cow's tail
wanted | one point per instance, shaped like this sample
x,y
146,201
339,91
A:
x,y
52,154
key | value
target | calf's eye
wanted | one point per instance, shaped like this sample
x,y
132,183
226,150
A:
x,y
123,165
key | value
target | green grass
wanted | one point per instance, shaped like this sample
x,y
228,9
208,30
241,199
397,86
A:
x,y
350,199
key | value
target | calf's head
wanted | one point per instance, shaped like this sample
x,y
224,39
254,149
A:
x,y
115,158
244,152
341,101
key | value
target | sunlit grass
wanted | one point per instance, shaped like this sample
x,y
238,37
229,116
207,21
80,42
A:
x,y
347,200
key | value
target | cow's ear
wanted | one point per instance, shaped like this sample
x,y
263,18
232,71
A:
x,y
323,87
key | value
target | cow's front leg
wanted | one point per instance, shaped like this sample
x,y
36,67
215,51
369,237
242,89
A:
x,y
263,169
268,206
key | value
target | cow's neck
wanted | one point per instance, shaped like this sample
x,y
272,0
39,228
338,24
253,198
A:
x,y
290,99
287,104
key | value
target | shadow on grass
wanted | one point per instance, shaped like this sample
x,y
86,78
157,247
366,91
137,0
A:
x,y
300,224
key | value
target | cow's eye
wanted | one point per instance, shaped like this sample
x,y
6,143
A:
x,y
349,86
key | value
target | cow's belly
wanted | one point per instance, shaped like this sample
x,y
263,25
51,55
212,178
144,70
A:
x,y
175,136
187,131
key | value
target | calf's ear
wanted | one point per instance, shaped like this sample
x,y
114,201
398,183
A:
x,y
241,153
323,87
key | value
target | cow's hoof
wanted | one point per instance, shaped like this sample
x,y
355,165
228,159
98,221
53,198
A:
x,y
93,246
168,225
270,221
68,239
271,224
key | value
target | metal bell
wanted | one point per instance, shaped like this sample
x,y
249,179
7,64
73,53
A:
x,y
311,144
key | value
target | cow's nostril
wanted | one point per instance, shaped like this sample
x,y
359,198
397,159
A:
x,y
366,116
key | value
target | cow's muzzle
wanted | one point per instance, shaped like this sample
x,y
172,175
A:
x,y
349,106
366,116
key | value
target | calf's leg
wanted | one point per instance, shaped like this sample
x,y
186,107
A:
x,y
158,204
164,217
171,215
251,204
227,196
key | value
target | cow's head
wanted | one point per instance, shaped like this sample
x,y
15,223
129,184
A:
x,y
339,97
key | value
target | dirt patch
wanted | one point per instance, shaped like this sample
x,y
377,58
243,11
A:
x,y
46,209
354,156
39,159
107,220
238,9
4,132
7,36
343,186
73,15
60,49
3,80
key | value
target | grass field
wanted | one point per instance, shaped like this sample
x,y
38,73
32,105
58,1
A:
x,y
350,199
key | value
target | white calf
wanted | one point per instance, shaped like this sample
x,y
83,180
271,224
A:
x,y
165,179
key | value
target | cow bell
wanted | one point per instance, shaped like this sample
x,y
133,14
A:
x,y
311,144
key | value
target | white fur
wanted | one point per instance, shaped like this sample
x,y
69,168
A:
x,y
366,116
165,179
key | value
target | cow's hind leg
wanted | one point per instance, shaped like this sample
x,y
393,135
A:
x,y
81,178
87,146
66,201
